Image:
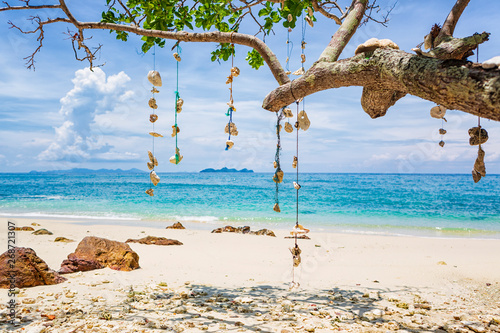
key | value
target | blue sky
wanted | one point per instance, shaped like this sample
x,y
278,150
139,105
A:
x,y
63,116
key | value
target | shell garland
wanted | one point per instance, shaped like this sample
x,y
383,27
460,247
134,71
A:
x,y
155,79
230,128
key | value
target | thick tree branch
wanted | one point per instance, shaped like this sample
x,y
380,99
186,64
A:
x,y
451,21
345,32
454,84
455,48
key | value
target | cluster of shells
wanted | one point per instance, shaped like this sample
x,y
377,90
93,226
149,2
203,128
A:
x,y
155,79
231,127
478,136
439,112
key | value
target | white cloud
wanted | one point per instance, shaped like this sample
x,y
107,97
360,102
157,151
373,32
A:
x,y
81,136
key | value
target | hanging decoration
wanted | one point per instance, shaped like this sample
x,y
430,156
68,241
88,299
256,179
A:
x,y
231,126
155,79
278,174
478,136
439,112
179,102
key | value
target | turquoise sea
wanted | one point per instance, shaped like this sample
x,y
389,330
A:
x,y
427,205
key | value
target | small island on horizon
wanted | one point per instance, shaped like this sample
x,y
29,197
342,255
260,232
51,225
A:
x,y
224,169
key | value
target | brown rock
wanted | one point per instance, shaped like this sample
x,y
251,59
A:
x,y
42,232
243,230
176,225
152,240
63,239
94,252
24,229
217,231
264,232
29,270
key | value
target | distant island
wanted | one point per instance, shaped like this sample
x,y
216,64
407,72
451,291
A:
x,y
87,171
225,170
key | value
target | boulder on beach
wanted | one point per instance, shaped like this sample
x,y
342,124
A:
x,y
63,240
94,253
152,240
28,270
42,232
264,232
243,230
176,225
24,229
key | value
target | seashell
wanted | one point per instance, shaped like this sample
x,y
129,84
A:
x,y
153,117
180,102
150,192
152,103
441,143
442,131
287,112
303,58
151,156
151,165
175,130
229,79
229,144
428,42
235,71
299,71
310,11
476,176
278,176
474,136
303,45
288,72
373,43
290,17
296,185
177,158
491,63
154,78
288,128
275,164
309,21
177,56
276,208
303,120
178,109
279,128
295,161
231,106
479,166
156,135
299,230
296,251
438,112
154,90
154,178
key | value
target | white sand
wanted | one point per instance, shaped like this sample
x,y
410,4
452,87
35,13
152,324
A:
x,y
396,267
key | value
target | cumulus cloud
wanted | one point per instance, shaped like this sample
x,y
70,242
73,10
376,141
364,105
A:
x,y
79,138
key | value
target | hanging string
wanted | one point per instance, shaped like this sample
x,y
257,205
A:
x,y
279,117
230,109
177,96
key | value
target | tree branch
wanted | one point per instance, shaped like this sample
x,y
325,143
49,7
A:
x,y
320,9
345,32
9,7
452,83
451,21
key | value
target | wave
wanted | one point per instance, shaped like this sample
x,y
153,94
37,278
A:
x,y
70,216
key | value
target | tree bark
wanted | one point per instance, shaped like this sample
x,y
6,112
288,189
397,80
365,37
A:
x,y
454,84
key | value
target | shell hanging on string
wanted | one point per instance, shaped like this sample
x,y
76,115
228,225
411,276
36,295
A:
x,y
303,45
235,71
175,130
290,17
288,128
275,164
287,112
231,129
155,179
276,208
299,230
231,106
152,103
278,176
295,161
302,58
442,131
441,143
303,120
474,136
156,135
296,255
177,56
154,78
177,158
150,192
438,112
229,144
151,156
279,128
309,21
288,72
229,79
299,71
179,104
310,11
151,165
296,185
479,166
153,117
154,90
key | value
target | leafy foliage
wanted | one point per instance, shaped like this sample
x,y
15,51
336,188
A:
x,y
203,15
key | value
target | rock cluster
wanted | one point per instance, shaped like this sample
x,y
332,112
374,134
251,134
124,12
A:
x,y
244,230
176,225
152,240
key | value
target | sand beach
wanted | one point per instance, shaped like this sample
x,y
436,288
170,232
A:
x,y
240,282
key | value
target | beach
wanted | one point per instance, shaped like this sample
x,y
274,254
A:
x,y
240,282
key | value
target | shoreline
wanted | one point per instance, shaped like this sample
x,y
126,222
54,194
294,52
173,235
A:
x,y
352,281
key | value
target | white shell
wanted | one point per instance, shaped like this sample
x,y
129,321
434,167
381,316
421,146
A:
x,y
491,63
154,178
155,78
296,185
299,71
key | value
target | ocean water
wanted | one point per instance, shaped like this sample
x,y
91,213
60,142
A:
x,y
428,205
